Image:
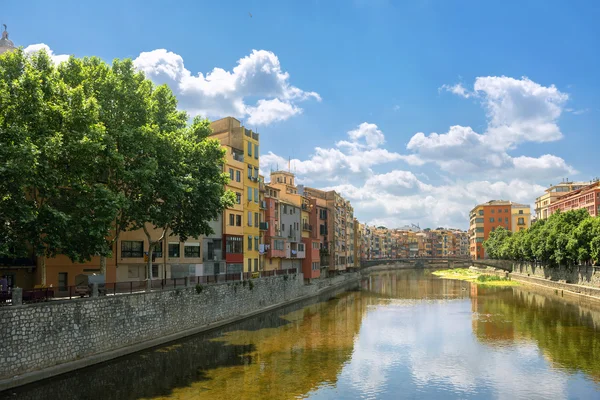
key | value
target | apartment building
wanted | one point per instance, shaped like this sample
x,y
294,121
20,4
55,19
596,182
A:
x,y
242,221
552,194
587,197
487,217
274,240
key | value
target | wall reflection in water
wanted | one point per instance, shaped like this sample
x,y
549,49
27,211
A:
x,y
405,333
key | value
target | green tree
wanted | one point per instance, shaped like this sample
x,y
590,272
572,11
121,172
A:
x,y
51,140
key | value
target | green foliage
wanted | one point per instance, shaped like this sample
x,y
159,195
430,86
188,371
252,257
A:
x,y
250,285
88,150
491,278
569,238
199,288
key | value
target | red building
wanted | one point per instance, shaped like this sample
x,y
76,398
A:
x,y
587,197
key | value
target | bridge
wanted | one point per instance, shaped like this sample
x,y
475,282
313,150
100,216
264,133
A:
x,y
449,262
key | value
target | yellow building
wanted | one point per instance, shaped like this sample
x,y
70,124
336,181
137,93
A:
x,y
521,217
543,202
242,221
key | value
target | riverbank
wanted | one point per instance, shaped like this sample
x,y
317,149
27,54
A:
x,y
48,339
479,277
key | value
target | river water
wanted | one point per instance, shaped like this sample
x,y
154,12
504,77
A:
x,y
405,334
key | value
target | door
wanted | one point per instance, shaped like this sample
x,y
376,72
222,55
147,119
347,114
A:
x,y
63,281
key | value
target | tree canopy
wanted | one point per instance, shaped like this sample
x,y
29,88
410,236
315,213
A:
x,y
565,238
89,149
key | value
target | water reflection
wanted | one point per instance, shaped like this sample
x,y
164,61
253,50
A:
x,y
405,334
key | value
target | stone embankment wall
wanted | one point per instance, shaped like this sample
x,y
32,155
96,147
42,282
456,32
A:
x,y
578,279
578,275
39,336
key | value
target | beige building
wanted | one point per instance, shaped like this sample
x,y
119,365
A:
x,y
551,195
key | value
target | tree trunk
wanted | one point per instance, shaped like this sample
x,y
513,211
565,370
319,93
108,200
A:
x,y
103,266
43,270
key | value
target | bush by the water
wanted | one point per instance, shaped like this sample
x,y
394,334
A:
x,y
569,238
490,278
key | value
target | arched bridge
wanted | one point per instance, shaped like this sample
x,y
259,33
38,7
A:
x,y
450,262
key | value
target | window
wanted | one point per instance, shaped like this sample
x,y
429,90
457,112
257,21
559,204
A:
x,y
157,250
255,173
283,228
506,210
132,249
231,220
493,211
238,197
155,270
256,219
278,244
315,245
174,250
256,195
315,266
249,148
249,242
479,230
256,151
231,173
256,243
300,246
249,171
238,220
521,221
520,211
499,210
255,264
249,218
491,219
249,194
506,220
249,264
238,176
63,281
191,250
235,268
480,212
233,245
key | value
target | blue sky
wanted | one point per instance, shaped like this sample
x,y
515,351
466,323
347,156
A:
x,y
372,75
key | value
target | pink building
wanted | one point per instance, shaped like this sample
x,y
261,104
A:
x,y
587,197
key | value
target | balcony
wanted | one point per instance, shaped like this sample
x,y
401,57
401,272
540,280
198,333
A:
x,y
237,155
307,227
264,226
305,207
214,255
263,205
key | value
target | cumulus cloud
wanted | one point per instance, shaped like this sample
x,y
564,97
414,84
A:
x,y
34,48
518,111
352,158
457,89
221,93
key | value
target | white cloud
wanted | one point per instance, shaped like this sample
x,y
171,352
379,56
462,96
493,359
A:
x,y
372,135
220,93
457,89
349,159
518,111
57,58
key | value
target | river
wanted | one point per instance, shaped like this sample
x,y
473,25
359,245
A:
x,y
405,334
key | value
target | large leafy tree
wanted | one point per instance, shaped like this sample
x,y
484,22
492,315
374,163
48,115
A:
x,y
52,140
89,150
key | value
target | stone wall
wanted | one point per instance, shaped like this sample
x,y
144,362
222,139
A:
x,y
579,275
39,336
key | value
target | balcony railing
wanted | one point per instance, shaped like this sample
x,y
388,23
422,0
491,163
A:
x,y
307,227
264,226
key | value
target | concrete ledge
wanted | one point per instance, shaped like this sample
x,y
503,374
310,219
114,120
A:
x,y
59,369
568,287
